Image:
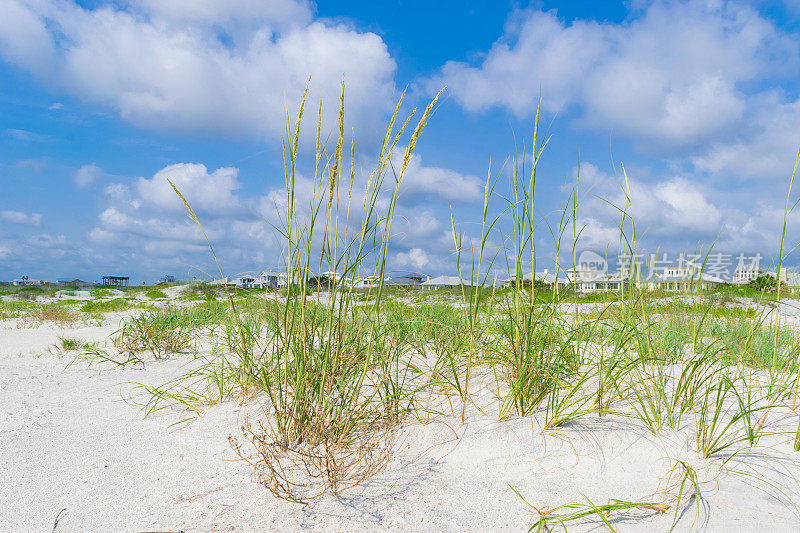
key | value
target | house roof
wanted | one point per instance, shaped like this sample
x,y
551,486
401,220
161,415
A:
x,y
403,280
446,280
273,273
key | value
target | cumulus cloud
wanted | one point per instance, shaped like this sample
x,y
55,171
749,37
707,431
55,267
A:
x,y
148,219
151,212
671,76
415,258
209,67
765,150
147,216
443,183
86,175
22,218
280,14
668,210
679,214
212,193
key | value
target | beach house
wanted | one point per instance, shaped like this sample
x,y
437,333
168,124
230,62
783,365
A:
x,y
272,279
117,281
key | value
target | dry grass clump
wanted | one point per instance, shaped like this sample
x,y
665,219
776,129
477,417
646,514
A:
x,y
315,463
53,313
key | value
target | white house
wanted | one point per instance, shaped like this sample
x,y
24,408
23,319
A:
x,y
367,282
744,274
588,280
226,281
272,279
603,283
690,280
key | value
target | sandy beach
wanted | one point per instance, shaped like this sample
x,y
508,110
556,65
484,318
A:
x,y
77,447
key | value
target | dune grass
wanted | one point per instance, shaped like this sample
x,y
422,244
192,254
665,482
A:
x,y
155,294
337,370
159,332
107,306
50,312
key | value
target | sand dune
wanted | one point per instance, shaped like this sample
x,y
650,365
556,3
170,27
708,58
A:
x,y
74,439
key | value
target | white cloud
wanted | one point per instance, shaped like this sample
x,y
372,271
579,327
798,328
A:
x,y
208,67
765,150
440,182
24,39
45,240
671,209
679,214
56,106
87,174
687,206
150,218
117,191
19,217
212,193
672,76
280,14
416,258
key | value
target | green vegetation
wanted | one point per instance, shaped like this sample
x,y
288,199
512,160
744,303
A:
x,y
31,289
67,344
159,332
764,283
201,289
337,370
14,308
51,312
101,293
155,294
106,306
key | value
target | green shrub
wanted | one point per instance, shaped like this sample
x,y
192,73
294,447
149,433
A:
x,y
764,282
200,288
155,294
106,306
31,289
100,293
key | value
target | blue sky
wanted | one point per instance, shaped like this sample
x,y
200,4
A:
x,y
100,101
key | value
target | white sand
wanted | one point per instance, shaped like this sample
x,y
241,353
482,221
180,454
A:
x,y
70,440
